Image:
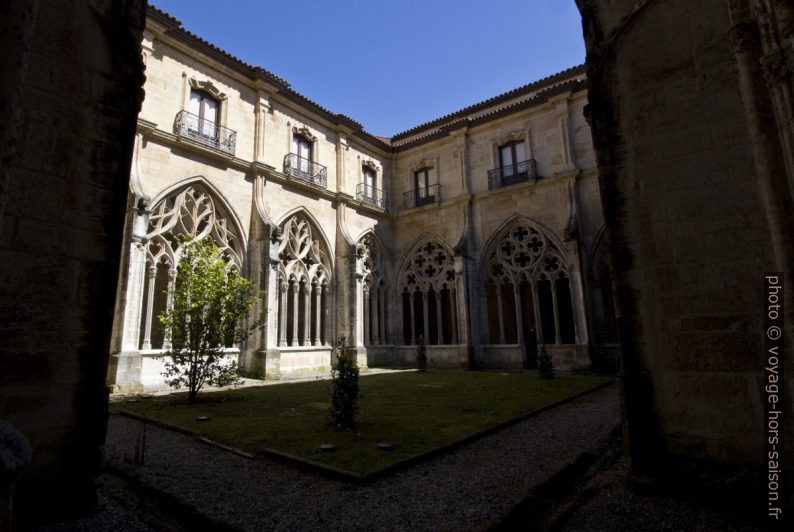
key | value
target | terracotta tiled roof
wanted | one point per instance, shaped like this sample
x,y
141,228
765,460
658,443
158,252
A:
x,y
494,102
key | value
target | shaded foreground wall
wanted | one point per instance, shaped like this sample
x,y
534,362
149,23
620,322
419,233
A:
x,y
71,91
694,143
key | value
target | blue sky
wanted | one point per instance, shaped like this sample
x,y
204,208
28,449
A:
x,y
393,65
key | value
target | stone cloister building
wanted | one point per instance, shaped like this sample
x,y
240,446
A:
x,y
479,231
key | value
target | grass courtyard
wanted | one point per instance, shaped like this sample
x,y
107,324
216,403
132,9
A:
x,y
415,412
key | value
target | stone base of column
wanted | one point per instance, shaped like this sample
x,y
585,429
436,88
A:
x,y
253,363
272,365
124,372
361,358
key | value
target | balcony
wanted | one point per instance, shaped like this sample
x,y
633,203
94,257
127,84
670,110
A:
x,y
210,134
512,174
371,195
422,196
305,170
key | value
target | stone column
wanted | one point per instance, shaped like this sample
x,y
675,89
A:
x,y
519,317
326,312
579,311
460,302
168,301
382,319
425,318
374,333
317,314
412,305
452,325
307,313
501,313
131,334
273,296
536,307
282,317
439,320
359,312
557,337
295,288
365,310
151,274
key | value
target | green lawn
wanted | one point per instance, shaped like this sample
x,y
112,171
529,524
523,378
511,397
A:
x,y
416,412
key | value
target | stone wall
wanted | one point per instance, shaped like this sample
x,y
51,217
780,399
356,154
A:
x,y
68,123
678,130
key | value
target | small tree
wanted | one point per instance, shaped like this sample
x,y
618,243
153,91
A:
x,y
421,354
209,303
344,387
545,364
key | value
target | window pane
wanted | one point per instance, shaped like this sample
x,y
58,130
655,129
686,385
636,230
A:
x,y
521,154
195,103
506,155
210,110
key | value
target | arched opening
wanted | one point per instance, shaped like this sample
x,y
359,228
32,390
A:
x,y
429,299
304,269
527,291
190,211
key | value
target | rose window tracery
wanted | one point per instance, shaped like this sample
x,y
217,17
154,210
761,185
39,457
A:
x,y
527,288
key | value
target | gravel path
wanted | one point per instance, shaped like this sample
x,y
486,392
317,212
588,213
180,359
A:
x,y
469,489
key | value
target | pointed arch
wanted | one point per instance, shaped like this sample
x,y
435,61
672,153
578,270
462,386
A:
x,y
526,286
216,194
372,269
427,284
317,226
423,238
189,207
305,270
538,226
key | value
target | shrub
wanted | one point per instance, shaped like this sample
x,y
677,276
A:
x,y
209,303
344,387
421,354
545,365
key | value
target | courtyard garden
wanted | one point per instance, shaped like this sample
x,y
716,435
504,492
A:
x,y
413,412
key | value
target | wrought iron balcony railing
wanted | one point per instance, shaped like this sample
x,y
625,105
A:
x,y
304,169
204,131
422,196
369,194
512,174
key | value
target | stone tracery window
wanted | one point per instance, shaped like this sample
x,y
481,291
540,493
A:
x,y
304,277
429,295
371,268
527,287
189,211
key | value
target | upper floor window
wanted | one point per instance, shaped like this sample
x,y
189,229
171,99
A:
x,y
370,184
514,167
205,108
424,193
367,191
511,157
302,147
299,162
